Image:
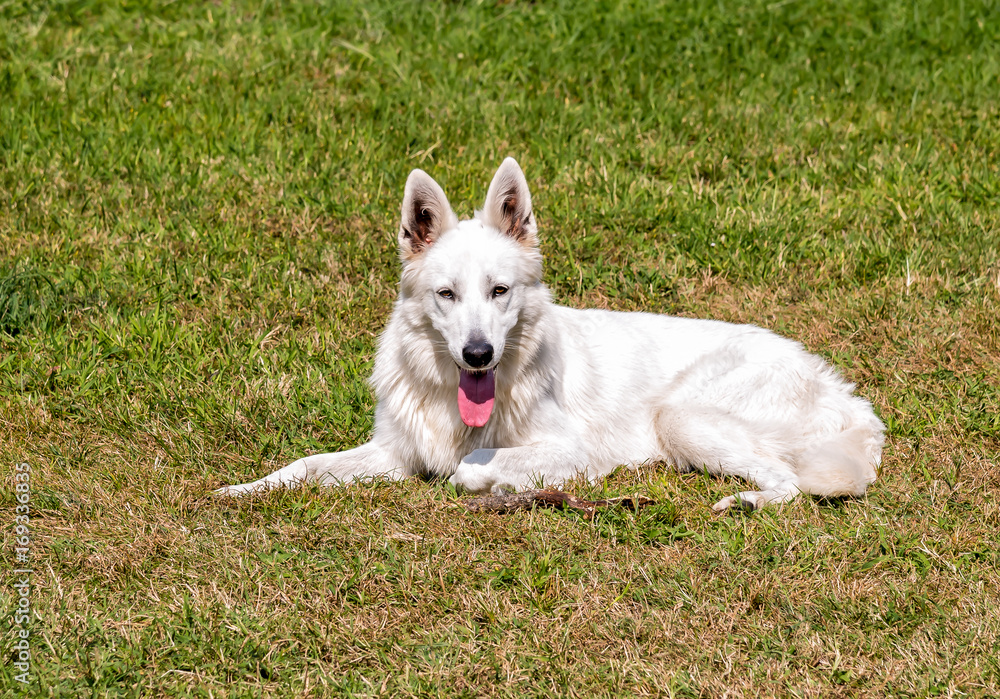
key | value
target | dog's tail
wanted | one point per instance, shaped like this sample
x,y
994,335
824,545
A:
x,y
842,465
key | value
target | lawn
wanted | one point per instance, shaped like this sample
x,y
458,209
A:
x,y
198,211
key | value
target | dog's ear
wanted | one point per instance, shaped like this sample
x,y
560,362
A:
x,y
426,214
508,205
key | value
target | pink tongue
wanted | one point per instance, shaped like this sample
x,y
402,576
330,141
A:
x,y
475,397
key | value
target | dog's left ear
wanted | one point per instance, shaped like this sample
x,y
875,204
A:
x,y
508,205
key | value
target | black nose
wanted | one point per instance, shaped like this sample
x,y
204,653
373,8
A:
x,y
478,353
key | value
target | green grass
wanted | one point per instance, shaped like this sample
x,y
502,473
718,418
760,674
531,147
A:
x,y
198,205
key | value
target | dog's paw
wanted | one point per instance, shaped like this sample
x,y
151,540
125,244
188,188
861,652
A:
x,y
235,491
747,501
750,500
472,478
483,471
481,480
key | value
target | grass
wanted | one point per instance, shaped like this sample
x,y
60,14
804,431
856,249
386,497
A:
x,y
197,253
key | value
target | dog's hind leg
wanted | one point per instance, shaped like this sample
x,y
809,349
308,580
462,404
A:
x,y
714,441
755,499
367,461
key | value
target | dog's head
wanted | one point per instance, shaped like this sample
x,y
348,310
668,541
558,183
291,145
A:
x,y
475,280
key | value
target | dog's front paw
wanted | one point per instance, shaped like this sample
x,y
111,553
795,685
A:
x,y
480,479
472,478
235,491
483,471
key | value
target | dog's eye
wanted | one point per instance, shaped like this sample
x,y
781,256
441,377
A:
x,y
446,294
499,290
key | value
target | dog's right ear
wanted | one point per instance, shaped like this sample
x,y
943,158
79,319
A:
x,y
426,214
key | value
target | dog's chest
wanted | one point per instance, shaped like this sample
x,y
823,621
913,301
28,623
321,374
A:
x,y
445,441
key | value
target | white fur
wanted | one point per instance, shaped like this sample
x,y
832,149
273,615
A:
x,y
583,391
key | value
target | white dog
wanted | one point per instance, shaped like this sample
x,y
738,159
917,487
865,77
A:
x,y
481,378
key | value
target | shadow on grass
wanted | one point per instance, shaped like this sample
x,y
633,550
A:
x,y
24,295
655,525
